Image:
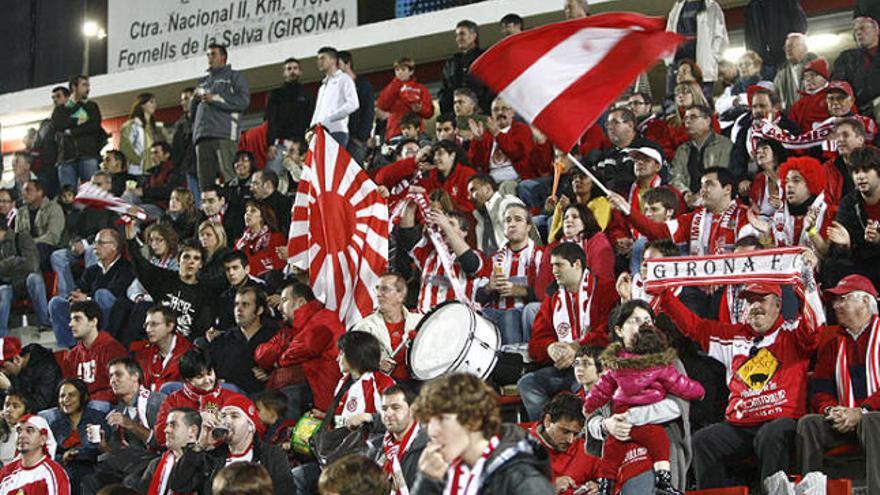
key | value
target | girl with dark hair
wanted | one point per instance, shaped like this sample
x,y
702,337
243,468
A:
x,y
15,405
639,372
139,132
261,238
765,192
451,173
359,356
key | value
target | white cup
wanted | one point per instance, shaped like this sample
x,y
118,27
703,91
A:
x,y
93,433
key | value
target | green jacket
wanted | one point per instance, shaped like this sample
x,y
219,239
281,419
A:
x,y
716,154
18,259
135,142
49,220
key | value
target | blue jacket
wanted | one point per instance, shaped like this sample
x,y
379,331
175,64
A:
x,y
62,427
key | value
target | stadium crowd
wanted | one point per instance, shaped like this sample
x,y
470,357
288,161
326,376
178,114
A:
x,y
193,359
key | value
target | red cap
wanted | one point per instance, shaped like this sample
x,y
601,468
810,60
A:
x,y
9,348
852,283
246,407
819,66
760,289
841,86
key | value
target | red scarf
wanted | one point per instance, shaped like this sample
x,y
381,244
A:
x,y
246,456
159,483
712,238
466,481
845,395
393,452
254,241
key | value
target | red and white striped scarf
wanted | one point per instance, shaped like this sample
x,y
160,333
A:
x,y
254,241
159,482
393,453
845,395
519,267
364,395
784,224
765,129
710,237
573,308
464,480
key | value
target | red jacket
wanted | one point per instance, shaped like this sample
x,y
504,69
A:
x,y
314,347
810,109
262,260
541,159
254,140
543,332
455,184
92,365
148,357
823,384
660,131
767,386
194,398
574,462
516,144
397,99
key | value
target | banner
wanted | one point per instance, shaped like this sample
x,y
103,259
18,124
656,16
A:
x,y
778,266
141,34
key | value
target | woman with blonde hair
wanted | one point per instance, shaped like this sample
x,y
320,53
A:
x,y
182,213
212,237
139,132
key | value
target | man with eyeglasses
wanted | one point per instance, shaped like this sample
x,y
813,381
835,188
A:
x,y
651,125
845,385
502,146
766,360
615,167
391,324
859,66
159,355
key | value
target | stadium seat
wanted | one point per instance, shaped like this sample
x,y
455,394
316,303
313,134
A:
x,y
736,490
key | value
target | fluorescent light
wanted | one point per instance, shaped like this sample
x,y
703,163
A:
x,y
90,29
823,41
734,53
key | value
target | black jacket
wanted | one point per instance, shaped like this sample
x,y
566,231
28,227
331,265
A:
x,y
518,466
183,151
18,259
768,22
288,112
850,66
116,280
615,168
360,122
39,378
281,205
852,215
195,471
46,143
233,354
79,140
456,74
410,464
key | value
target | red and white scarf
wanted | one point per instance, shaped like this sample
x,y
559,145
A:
x,y
519,267
635,192
159,482
765,129
464,480
571,312
254,241
710,237
784,224
158,364
845,395
393,453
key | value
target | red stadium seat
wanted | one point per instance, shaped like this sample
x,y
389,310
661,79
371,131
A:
x,y
839,487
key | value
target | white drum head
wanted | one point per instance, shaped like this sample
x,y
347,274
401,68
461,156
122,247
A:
x,y
441,338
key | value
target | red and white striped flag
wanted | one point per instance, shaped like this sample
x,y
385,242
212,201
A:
x,y
339,230
562,76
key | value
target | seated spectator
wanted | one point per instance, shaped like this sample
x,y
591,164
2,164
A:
x,y
181,213
242,477
765,192
512,283
89,360
465,107
686,95
559,431
216,208
653,126
849,136
614,167
293,163
31,371
703,149
858,66
201,391
843,391
489,207
42,218
464,423
20,276
196,468
582,192
404,439
764,104
238,190
841,104
578,226
469,264
35,464
181,430
264,187
361,385
811,108
502,146
404,95
790,75
162,244
116,165
233,348
212,238
763,406
353,474
272,409
237,276
260,239
70,423
7,207
159,356
161,180
15,407
575,315
391,324
587,368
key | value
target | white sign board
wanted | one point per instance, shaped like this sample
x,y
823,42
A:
x,y
142,33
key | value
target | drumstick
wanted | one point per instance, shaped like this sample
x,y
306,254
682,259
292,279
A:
x,y
558,167
403,342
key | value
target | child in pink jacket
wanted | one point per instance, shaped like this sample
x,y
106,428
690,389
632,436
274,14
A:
x,y
639,373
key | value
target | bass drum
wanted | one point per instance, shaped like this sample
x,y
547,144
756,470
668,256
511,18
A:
x,y
453,338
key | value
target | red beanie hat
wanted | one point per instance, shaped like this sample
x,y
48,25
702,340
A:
x,y
809,168
819,66
247,408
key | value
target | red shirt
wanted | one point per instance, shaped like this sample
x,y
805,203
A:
x,y
574,462
873,211
46,478
395,332
516,144
158,370
455,184
398,97
823,382
92,365
189,396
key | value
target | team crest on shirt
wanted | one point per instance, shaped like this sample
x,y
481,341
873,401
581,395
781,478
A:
x,y
563,329
351,404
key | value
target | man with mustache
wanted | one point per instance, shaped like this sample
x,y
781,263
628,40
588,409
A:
x,y
766,359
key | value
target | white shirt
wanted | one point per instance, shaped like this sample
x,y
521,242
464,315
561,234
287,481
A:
x,y
337,99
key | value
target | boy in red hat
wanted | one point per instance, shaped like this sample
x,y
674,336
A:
x,y
811,107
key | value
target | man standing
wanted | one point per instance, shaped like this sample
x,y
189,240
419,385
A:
x,y
183,152
79,122
181,429
46,144
337,96
456,71
404,439
289,110
219,100
90,359
705,149
160,354
360,122
789,76
860,66
34,472
575,315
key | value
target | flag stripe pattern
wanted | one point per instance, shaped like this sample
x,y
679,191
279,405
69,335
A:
x,y
562,76
339,230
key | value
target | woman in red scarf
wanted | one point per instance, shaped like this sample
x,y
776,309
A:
x,y
260,239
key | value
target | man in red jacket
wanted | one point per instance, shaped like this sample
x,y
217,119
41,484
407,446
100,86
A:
x,y
89,360
404,95
559,432
812,108
502,147
766,361
576,315
160,354
845,386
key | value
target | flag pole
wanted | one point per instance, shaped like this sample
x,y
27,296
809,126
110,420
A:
x,y
594,179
